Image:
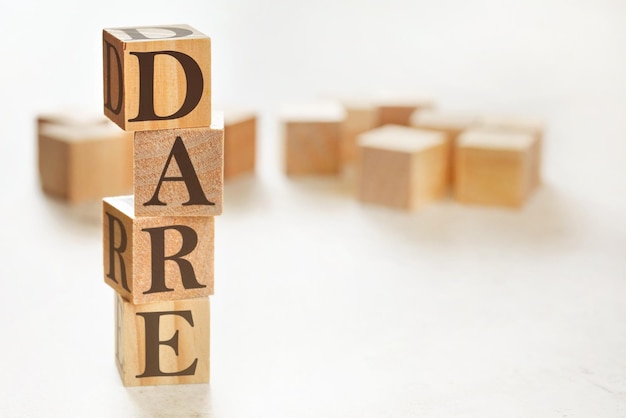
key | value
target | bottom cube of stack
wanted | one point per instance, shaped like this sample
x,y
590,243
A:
x,y
163,343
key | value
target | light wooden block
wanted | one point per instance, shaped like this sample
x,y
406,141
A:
x,y
239,143
80,163
448,123
150,259
514,123
163,343
71,116
312,134
495,167
180,172
402,167
397,110
157,77
361,116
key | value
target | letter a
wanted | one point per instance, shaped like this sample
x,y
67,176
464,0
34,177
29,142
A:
x,y
188,176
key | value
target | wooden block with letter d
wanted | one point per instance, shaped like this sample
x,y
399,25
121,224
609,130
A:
x,y
157,77
180,172
163,343
150,259
495,168
402,167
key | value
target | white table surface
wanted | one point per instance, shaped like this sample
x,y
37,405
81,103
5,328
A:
x,y
324,307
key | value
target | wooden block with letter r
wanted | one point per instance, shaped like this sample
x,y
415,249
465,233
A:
x,y
180,172
163,343
150,259
402,167
157,77
239,142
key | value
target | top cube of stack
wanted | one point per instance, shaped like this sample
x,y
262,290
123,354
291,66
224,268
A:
x,y
157,77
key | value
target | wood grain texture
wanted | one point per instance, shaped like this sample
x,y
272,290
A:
x,y
180,353
170,84
182,268
203,148
402,167
80,163
496,168
239,143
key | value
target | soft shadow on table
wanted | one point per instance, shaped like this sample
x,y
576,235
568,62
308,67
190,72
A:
x,y
173,401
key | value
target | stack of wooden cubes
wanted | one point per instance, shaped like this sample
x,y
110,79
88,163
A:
x,y
159,243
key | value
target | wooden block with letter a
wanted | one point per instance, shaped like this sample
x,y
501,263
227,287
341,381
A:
x,y
239,143
495,167
157,77
150,259
450,124
312,134
402,167
180,172
80,163
163,343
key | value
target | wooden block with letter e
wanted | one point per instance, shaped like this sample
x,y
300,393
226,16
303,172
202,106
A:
x,y
84,162
239,143
180,171
402,167
149,259
450,124
312,134
157,77
495,167
163,343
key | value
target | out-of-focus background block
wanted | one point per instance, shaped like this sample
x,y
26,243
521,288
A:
x,y
360,116
240,130
402,167
495,167
312,134
163,343
83,160
397,109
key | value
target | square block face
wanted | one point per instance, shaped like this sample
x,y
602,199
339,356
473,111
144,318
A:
x,y
156,259
239,147
385,178
84,163
312,147
179,172
163,343
157,77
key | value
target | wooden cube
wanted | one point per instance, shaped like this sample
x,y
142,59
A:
x,y
361,116
71,116
239,143
157,77
150,259
163,343
495,167
312,134
397,109
180,172
450,124
512,123
402,167
80,163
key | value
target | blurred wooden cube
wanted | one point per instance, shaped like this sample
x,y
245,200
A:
x,y
402,167
312,134
397,109
361,116
496,167
239,143
163,343
450,124
84,162
70,116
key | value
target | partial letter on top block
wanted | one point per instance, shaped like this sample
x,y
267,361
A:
x,y
402,167
157,77
163,343
180,172
149,259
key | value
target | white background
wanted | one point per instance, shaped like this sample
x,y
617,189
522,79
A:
x,y
325,307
